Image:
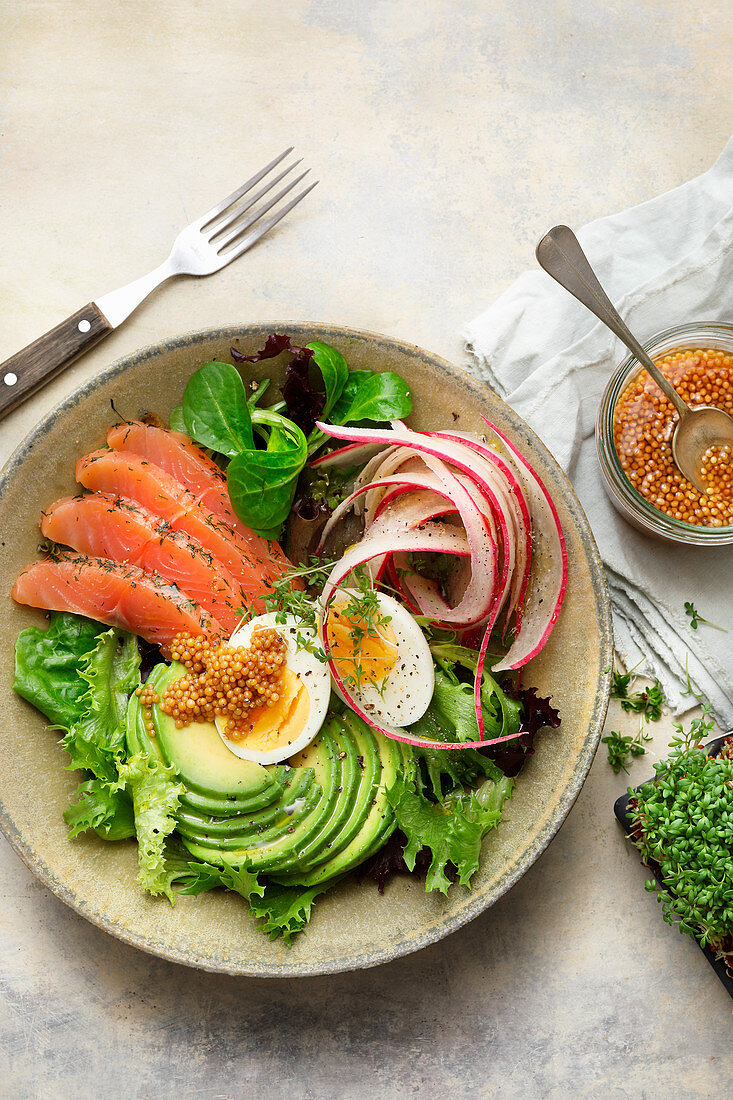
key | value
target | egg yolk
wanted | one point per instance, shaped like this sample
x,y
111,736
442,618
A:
x,y
266,728
361,651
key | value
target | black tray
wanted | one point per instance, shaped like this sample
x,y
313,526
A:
x,y
621,809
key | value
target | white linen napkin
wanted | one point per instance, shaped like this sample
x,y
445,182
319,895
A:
x,y
663,263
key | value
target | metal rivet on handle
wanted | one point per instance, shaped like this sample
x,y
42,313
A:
x,y
10,379
84,326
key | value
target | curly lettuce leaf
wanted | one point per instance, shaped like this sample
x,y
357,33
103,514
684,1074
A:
x,y
110,673
285,910
451,830
47,664
103,807
155,794
502,714
441,772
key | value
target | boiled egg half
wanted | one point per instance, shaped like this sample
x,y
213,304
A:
x,y
275,733
382,657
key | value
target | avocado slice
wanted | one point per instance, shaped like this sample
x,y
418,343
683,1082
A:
x,y
379,822
137,737
199,825
369,770
319,845
267,856
257,829
232,805
198,753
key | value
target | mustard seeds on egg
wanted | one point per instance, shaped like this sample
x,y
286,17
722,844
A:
x,y
222,679
643,423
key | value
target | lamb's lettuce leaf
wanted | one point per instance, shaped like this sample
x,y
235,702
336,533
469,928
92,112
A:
x,y
268,447
372,395
215,409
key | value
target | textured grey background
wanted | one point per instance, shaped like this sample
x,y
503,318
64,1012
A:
x,y
448,136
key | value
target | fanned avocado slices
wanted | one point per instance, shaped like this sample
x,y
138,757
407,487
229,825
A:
x,y
378,823
303,823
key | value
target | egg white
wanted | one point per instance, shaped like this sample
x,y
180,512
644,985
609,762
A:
x,y
312,674
405,694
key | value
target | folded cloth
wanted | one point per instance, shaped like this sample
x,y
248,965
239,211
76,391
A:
x,y
663,263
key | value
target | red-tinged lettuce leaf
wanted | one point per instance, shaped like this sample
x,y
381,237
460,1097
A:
x,y
303,404
452,830
274,345
535,714
390,860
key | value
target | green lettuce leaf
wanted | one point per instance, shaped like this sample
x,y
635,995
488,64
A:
x,y
451,830
103,807
155,794
441,772
370,395
455,712
47,664
110,672
215,409
285,910
193,877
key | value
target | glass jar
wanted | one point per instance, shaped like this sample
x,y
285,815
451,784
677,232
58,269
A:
x,y
625,498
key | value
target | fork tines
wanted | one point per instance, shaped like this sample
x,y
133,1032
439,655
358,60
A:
x,y
224,226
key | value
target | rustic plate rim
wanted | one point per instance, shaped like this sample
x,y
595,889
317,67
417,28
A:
x,y
457,375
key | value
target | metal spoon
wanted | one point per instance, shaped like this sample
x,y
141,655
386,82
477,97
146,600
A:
x,y
699,427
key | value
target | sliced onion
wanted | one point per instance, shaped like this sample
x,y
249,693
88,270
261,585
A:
x,y
499,503
354,454
550,578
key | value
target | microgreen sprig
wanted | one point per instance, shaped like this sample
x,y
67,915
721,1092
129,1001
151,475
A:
x,y
696,618
647,703
622,748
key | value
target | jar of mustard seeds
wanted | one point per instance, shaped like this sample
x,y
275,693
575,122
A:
x,y
634,437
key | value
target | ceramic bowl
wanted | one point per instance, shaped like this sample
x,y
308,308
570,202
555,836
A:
x,y
352,926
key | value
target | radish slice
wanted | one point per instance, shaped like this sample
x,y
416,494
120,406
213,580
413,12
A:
x,y
501,523
550,569
355,454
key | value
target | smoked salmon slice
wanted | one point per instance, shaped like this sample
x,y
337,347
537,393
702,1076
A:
x,y
182,459
118,595
127,475
103,526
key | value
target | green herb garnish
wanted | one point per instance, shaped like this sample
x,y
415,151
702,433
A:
x,y
696,618
647,703
621,749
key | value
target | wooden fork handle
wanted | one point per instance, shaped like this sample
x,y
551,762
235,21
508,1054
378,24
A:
x,y
26,371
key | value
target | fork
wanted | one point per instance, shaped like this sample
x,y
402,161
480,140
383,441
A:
x,y
203,247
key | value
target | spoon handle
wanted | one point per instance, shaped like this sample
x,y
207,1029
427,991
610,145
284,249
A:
x,y
560,254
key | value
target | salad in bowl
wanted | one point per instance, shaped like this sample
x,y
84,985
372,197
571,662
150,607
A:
x,y
287,634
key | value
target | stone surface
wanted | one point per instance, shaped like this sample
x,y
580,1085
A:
x,y
447,137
